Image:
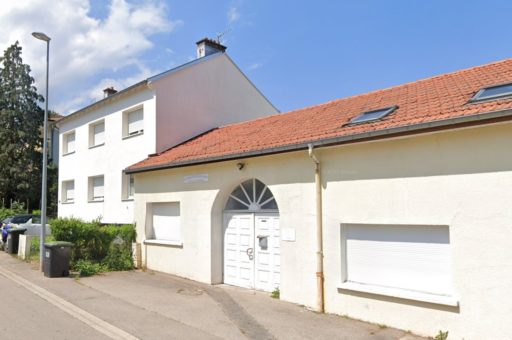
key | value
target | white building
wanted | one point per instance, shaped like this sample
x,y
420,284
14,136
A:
x,y
392,207
99,141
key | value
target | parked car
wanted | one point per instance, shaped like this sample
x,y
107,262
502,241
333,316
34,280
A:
x,y
30,222
6,221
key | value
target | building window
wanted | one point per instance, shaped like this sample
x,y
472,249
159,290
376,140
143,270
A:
x,y
128,186
493,92
165,223
403,261
96,189
97,134
133,122
373,115
68,143
68,192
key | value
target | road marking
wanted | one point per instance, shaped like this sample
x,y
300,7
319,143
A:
x,y
92,321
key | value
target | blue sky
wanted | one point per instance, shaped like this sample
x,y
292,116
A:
x,y
298,53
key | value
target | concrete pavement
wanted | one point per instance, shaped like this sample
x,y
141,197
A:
x,y
149,305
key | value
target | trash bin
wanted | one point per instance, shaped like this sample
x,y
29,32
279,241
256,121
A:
x,y
13,240
56,258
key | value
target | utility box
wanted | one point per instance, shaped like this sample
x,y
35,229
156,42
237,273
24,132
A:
x,y
13,240
56,258
24,246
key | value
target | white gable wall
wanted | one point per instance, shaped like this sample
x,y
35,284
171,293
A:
x,y
456,179
207,95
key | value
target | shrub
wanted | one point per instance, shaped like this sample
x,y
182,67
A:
x,y
88,268
119,257
92,240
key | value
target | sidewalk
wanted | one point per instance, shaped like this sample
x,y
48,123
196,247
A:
x,y
151,305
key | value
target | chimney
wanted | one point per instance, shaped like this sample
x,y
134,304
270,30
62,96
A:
x,y
109,91
208,46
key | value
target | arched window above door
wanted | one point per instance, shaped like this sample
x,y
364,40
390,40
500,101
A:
x,y
251,195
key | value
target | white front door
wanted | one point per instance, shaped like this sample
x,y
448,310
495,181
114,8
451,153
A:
x,y
251,250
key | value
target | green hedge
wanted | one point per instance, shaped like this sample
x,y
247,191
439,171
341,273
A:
x,y
92,240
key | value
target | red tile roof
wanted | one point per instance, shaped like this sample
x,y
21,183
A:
x,y
429,100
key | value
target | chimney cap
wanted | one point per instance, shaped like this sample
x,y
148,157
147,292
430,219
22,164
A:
x,y
109,91
212,43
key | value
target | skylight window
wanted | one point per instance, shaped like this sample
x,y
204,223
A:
x,y
373,115
493,92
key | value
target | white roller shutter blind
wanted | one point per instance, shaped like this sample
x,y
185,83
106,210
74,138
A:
x,y
135,121
166,221
99,134
414,258
70,191
97,188
70,142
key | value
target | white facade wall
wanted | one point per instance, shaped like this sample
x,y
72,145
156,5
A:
x,y
460,179
108,160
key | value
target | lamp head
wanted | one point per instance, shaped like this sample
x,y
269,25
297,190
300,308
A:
x,y
41,36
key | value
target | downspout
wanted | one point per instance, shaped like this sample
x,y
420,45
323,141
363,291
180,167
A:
x,y
319,233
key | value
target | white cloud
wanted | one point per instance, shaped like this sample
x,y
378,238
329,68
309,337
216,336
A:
x,y
254,66
83,47
233,14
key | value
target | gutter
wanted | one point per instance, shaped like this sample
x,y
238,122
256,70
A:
x,y
439,125
319,234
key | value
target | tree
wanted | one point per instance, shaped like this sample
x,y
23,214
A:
x,y
21,122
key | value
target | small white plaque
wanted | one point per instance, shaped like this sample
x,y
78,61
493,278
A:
x,y
47,254
195,178
288,234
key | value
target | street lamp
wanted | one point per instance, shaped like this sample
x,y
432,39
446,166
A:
x,y
44,37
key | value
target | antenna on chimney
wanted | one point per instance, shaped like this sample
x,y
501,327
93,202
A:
x,y
220,35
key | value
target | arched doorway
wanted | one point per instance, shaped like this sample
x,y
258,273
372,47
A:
x,y
251,237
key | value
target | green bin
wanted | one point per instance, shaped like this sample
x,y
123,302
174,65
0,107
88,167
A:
x,y
56,258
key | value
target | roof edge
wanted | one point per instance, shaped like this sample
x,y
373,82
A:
x,y
415,129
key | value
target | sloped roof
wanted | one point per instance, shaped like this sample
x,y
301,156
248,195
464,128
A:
x,y
433,102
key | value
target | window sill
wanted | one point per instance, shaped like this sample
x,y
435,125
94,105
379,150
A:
x,y
96,146
68,153
95,201
446,300
68,202
134,135
178,244
130,199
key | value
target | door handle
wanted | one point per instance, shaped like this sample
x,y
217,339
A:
x,y
250,253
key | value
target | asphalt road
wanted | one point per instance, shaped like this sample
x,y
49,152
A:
x,y
27,316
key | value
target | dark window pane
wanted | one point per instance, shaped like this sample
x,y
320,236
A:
x,y
238,193
372,115
235,205
502,90
270,205
249,189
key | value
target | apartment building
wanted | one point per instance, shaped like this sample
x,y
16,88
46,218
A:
x,y
99,141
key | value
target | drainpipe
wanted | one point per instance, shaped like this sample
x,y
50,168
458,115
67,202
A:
x,y
319,233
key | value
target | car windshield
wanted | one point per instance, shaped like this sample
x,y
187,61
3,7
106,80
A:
x,y
36,219
21,219
7,220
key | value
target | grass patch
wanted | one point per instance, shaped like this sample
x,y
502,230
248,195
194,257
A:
x,y
276,294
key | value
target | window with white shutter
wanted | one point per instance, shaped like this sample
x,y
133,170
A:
x,y
97,134
96,188
166,221
410,261
133,122
68,143
68,191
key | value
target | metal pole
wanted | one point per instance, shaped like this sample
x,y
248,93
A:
x,y
45,161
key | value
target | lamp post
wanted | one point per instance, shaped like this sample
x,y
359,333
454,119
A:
x,y
44,37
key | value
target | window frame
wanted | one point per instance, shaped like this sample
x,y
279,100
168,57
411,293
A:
x,y
477,97
150,237
92,135
125,126
386,112
90,194
64,192
127,180
65,143
449,298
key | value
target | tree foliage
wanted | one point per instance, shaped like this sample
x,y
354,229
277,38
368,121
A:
x,y
21,121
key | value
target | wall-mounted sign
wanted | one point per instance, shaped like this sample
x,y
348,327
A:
x,y
196,178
